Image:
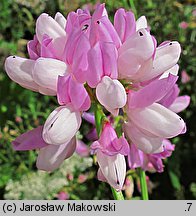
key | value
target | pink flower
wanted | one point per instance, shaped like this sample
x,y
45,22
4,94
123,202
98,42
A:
x,y
137,158
150,122
124,23
40,74
185,78
63,195
82,178
109,143
183,25
146,59
112,169
50,157
110,151
118,66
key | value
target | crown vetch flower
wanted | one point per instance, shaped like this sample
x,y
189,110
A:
x,y
110,151
87,59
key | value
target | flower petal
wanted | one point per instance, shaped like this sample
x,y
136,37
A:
x,y
109,89
70,91
146,142
170,97
46,72
180,104
151,93
89,117
61,125
113,169
95,67
166,57
82,149
80,59
124,23
47,25
157,120
136,50
60,19
30,140
141,23
52,156
20,71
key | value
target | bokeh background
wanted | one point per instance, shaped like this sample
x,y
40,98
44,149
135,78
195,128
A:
x,y
22,110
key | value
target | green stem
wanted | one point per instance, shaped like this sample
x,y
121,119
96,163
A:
x,y
133,7
117,195
143,185
99,117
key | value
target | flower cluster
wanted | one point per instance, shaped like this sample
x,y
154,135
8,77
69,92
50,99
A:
x,y
84,59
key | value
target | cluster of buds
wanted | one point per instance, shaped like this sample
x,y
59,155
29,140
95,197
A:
x,y
86,59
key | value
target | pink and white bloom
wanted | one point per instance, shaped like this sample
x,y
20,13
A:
x,y
87,57
50,157
149,122
111,94
48,42
110,151
61,125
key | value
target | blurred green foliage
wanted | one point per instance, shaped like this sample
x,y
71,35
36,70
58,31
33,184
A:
x,y
21,110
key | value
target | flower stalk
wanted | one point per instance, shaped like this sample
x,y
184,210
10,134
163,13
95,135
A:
x,y
143,184
99,117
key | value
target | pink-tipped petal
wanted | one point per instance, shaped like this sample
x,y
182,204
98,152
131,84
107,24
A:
x,y
80,59
134,53
109,89
47,25
170,97
70,91
95,67
33,48
124,23
89,117
135,157
166,57
79,96
157,120
20,71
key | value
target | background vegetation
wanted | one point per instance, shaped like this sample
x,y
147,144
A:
x,y
22,110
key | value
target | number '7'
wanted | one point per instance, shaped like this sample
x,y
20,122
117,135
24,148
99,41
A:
x,y
190,204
